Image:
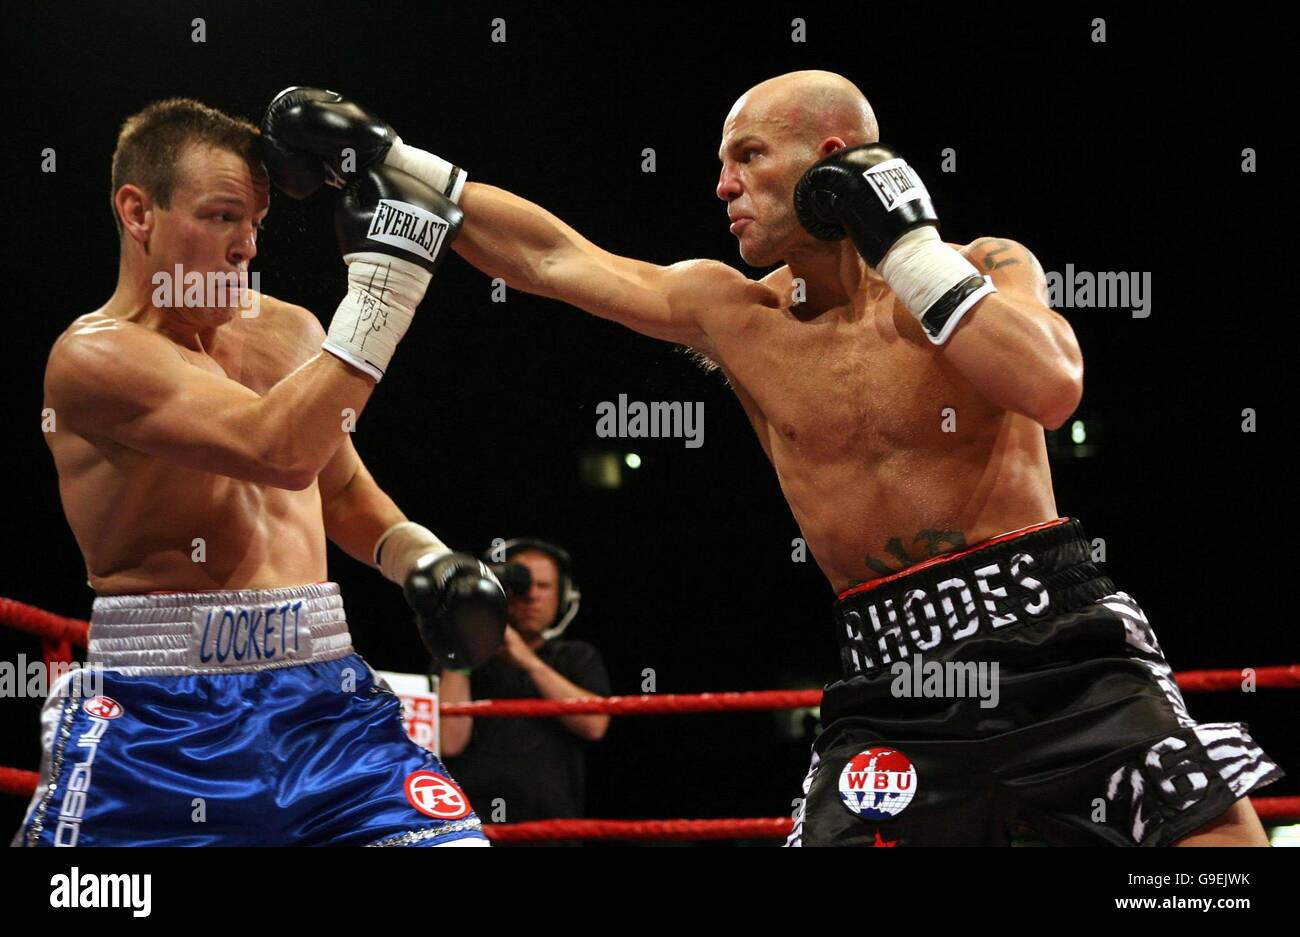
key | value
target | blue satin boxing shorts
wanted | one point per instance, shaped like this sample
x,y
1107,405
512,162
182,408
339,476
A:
x,y
234,719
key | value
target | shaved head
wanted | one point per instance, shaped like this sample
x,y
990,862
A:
x,y
772,134
812,104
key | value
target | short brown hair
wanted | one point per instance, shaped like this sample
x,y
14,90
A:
x,y
151,143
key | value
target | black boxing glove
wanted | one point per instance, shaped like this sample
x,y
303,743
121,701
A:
x,y
392,230
868,192
388,211
460,608
871,194
311,136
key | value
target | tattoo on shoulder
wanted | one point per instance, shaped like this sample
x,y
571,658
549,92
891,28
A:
x,y
992,253
925,544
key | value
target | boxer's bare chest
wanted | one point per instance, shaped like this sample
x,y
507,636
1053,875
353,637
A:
x,y
257,361
158,496
884,452
857,382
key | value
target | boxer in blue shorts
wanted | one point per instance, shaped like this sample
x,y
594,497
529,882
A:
x,y
202,442
235,718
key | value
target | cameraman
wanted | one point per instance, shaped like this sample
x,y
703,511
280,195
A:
x,y
516,770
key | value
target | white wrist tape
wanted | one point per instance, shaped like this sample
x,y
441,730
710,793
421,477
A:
x,y
936,284
402,546
433,171
383,292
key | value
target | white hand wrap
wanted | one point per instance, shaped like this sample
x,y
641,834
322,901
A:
x,y
402,546
383,292
936,284
433,171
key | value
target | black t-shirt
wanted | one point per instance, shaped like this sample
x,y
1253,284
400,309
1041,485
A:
x,y
535,766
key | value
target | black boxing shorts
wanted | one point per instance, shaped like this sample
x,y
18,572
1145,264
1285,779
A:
x,y
1011,685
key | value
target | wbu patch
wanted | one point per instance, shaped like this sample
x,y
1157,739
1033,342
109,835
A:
x,y
878,784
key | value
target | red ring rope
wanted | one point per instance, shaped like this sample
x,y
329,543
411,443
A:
x,y
54,629
1268,808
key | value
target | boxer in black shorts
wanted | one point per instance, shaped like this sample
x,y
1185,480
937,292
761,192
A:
x,y
900,386
1084,736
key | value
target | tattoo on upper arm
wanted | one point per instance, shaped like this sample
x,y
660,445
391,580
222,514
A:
x,y
993,253
925,544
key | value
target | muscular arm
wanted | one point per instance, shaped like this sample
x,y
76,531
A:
x,y
123,382
1019,353
532,250
356,510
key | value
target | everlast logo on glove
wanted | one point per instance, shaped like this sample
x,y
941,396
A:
x,y
407,226
895,182
899,625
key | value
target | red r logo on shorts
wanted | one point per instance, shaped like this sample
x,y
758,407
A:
x,y
436,796
105,707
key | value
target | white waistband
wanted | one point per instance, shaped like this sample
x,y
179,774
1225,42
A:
x,y
219,632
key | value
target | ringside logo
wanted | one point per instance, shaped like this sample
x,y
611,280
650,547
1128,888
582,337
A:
x,y
105,707
436,796
101,711
878,784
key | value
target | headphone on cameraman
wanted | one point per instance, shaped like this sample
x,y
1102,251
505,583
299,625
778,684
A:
x,y
570,595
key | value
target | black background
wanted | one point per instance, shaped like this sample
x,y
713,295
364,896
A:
x,y
1122,156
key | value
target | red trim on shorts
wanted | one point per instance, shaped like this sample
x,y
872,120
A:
x,y
938,560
